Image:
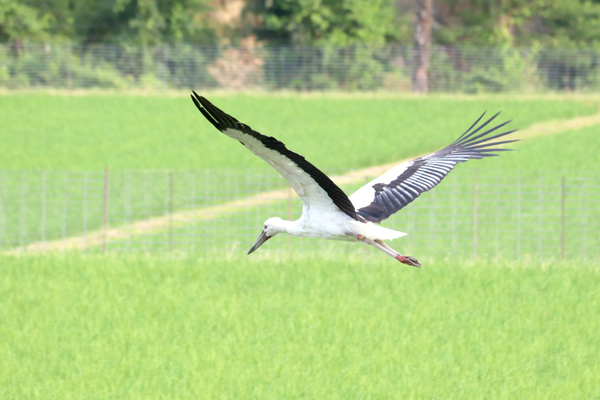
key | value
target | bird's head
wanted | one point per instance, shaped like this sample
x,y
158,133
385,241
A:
x,y
272,227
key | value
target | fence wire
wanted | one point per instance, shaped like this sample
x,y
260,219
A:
x,y
390,68
496,215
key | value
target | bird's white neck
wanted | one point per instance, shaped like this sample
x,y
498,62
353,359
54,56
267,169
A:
x,y
290,227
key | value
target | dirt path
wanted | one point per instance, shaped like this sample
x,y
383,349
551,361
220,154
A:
x,y
558,126
158,224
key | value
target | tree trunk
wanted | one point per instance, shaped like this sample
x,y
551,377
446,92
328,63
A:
x,y
422,48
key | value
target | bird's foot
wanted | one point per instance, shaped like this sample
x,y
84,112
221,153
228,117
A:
x,y
408,260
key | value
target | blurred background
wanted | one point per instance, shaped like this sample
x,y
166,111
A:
x,y
104,151
465,46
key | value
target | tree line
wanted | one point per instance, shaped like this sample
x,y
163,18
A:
x,y
515,23
342,32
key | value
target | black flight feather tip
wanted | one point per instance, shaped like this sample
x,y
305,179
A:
x,y
223,122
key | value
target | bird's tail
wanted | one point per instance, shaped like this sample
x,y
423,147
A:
x,y
389,234
375,232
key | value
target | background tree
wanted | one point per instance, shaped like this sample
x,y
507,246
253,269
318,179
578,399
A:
x,y
19,21
330,22
422,44
106,21
551,23
554,23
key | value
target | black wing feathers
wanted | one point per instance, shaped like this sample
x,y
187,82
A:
x,y
223,121
426,172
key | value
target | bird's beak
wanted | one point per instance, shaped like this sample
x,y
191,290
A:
x,y
261,239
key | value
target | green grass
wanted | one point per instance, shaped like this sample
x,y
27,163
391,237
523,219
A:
x,y
287,325
86,133
571,153
144,327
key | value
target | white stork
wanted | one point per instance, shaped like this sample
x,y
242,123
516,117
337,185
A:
x,y
327,211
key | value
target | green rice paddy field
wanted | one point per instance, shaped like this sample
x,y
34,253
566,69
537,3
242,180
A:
x,y
127,132
141,139
160,327
292,324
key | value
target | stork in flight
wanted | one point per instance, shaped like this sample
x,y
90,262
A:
x,y
327,211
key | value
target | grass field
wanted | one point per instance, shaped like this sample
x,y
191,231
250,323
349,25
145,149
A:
x,y
144,327
87,133
292,324
570,153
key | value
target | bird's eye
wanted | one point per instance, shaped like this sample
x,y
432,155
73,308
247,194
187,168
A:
x,y
265,227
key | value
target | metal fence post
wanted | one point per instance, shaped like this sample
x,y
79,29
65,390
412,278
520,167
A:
x,y
497,219
127,178
44,211
453,240
584,219
540,216
194,178
289,214
519,217
562,218
3,213
105,219
64,210
23,213
366,248
171,189
475,216
84,210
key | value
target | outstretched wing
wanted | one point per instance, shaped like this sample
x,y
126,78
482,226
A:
x,y
314,188
398,187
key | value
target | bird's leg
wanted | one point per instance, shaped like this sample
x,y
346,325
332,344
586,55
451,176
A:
x,y
403,259
408,260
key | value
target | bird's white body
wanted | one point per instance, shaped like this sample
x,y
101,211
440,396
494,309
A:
x,y
328,213
331,226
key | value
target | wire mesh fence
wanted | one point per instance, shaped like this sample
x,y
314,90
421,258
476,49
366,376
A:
x,y
491,215
254,66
